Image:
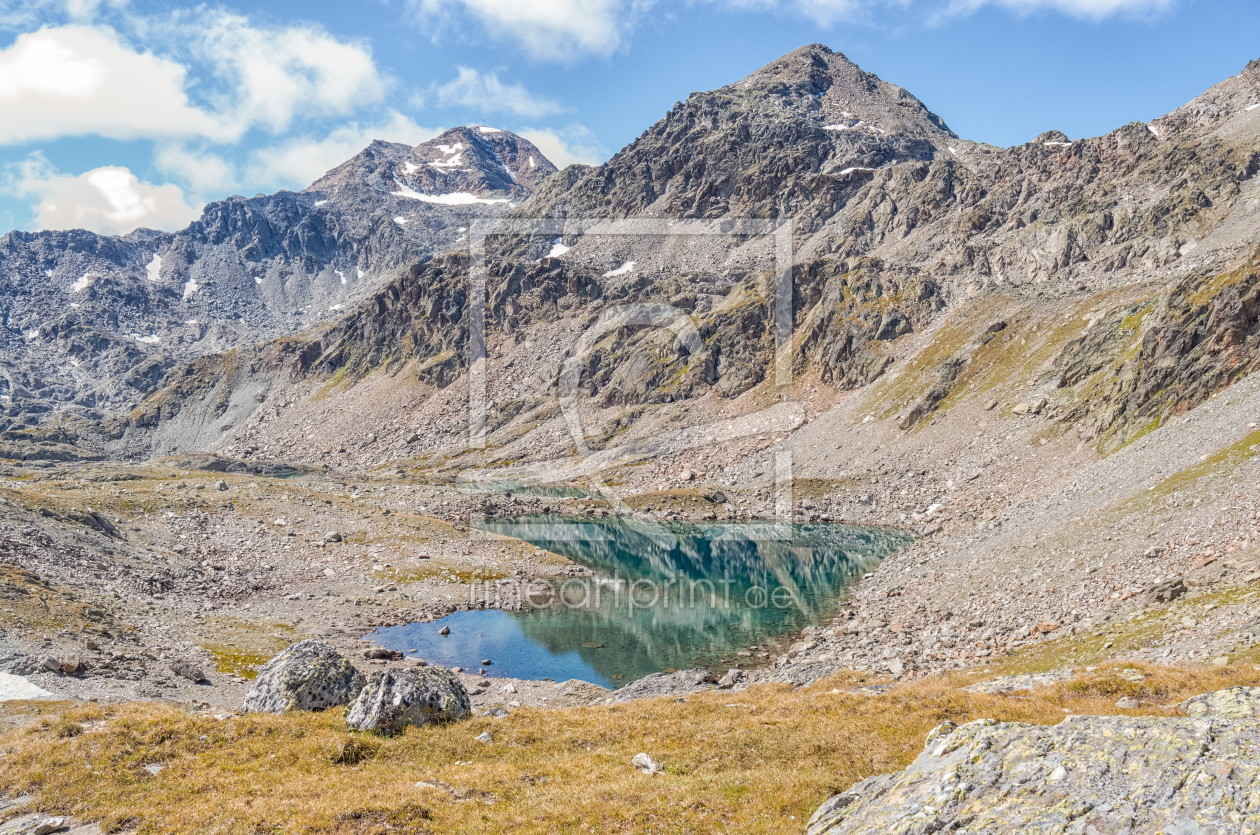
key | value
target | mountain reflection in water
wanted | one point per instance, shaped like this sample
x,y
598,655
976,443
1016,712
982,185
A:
x,y
665,595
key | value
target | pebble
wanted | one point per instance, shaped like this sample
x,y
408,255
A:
x,y
1127,703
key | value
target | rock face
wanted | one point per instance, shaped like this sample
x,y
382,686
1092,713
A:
x,y
90,324
1087,774
306,676
394,699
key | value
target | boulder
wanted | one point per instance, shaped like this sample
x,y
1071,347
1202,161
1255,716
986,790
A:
x,y
1234,703
382,654
394,699
668,684
307,676
1165,591
189,671
1086,774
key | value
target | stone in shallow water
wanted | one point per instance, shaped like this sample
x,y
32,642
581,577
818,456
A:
x,y
307,676
1174,774
394,699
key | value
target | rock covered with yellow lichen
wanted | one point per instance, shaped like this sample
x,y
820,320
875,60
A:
x,y
1088,774
394,699
1232,703
309,675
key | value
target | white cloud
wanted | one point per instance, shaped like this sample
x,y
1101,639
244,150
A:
x,y
822,12
205,171
563,30
300,161
25,14
551,29
109,200
1091,9
485,92
574,144
274,75
78,80
75,80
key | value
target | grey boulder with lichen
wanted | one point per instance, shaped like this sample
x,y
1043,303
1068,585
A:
x,y
309,675
395,699
1088,774
1231,703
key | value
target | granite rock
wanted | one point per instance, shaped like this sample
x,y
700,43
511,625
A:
x,y
308,675
1087,774
395,699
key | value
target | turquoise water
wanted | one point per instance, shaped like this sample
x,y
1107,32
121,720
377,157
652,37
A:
x,y
664,596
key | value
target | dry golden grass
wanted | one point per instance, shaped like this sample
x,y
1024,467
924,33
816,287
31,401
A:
x,y
761,760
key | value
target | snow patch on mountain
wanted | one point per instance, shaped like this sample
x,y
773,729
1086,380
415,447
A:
x,y
457,198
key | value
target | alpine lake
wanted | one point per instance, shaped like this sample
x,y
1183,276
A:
x,y
663,596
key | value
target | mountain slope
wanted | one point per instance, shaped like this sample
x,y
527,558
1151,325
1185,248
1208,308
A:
x,y
908,273
93,322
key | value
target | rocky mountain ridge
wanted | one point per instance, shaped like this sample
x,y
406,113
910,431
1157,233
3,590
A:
x,y
925,233
92,322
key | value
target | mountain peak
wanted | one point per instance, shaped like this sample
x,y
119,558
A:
x,y
478,160
464,162
833,90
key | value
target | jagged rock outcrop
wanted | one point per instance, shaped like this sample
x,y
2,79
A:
x,y
1146,362
1086,774
396,699
308,675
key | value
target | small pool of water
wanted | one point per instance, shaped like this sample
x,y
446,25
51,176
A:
x,y
664,596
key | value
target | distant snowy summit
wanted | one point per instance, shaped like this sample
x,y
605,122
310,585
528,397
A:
x,y
464,166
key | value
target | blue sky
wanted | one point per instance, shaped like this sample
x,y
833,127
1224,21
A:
x,y
118,114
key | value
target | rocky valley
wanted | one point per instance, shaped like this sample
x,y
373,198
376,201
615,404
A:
x,y
1022,377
